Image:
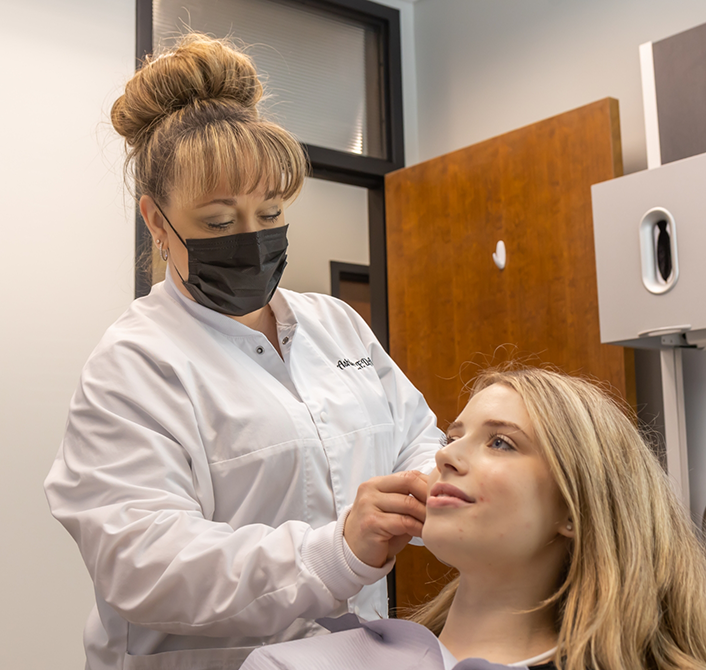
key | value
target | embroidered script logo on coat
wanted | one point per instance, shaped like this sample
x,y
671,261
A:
x,y
362,363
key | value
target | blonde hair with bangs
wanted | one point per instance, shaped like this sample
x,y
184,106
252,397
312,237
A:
x,y
190,121
633,595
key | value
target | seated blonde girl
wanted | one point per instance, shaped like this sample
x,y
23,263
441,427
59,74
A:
x,y
572,550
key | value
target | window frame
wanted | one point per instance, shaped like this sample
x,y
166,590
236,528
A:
x,y
347,272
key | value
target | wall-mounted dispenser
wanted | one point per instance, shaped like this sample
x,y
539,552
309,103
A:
x,y
650,239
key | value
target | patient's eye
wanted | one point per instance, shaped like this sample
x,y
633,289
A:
x,y
501,443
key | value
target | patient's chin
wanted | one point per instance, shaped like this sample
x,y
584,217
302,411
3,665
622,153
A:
x,y
436,541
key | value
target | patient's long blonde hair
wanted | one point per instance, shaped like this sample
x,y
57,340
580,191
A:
x,y
634,595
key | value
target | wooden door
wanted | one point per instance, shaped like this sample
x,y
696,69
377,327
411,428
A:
x,y
450,307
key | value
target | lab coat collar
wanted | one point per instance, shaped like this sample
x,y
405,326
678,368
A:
x,y
286,318
280,306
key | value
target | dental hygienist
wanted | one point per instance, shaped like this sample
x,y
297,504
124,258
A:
x,y
239,459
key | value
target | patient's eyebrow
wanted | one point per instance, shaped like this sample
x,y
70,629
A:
x,y
455,426
494,423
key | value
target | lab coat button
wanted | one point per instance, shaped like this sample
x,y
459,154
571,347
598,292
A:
x,y
324,417
260,350
285,340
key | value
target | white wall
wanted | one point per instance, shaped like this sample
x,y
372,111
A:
x,y
327,222
487,67
66,273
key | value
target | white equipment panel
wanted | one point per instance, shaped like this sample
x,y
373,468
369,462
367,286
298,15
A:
x,y
650,239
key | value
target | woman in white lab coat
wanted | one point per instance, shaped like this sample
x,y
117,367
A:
x,y
239,459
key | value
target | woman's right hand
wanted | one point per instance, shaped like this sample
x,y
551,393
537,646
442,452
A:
x,y
388,511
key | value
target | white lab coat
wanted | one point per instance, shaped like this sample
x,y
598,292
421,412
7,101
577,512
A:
x,y
202,476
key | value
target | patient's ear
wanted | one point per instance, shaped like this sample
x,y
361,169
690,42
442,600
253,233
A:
x,y
566,527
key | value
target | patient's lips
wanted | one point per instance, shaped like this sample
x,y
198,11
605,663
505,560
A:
x,y
446,495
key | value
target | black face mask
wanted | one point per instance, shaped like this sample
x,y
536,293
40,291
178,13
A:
x,y
235,274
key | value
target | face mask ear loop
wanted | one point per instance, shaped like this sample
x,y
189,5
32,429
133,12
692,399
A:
x,y
177,234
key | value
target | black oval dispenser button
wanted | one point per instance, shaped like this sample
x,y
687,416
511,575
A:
x,y
659,255
664,250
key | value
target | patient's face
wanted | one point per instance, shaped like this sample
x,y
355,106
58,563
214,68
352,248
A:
x,y
492,497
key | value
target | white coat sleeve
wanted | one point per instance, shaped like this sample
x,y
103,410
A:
x,y
132,497
416,434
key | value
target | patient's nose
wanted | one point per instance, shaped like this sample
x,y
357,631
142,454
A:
x,y
448,459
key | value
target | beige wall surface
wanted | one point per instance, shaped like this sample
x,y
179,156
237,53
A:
x,y
327,222
66,274
484,68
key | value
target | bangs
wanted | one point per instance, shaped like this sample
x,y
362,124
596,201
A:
x,y
245,156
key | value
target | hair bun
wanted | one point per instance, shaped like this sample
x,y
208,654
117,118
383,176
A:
x,y
198,69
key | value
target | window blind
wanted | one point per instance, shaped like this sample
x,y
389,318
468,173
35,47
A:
x,y
321,70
